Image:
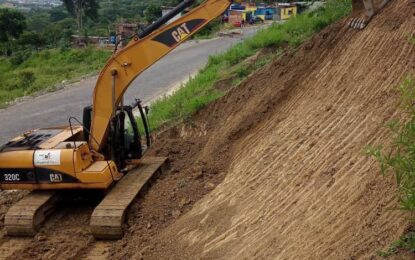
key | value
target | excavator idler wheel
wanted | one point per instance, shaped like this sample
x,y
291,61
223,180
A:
x,y
27,215
108,217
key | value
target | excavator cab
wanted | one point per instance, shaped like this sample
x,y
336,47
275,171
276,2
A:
x,y
126,144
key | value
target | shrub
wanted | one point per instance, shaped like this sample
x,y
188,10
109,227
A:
x,y
405,242
399,158
26,79
19,57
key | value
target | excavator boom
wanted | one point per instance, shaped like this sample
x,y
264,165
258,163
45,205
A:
x,y
124,66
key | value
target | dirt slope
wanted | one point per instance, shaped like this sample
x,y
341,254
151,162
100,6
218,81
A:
x,y
299,185
275,169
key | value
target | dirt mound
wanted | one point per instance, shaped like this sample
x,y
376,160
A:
x,y
291,139
276,168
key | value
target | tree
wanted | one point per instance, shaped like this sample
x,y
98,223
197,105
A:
x,y
152,13
82,9
12,24
56,15
31,39
37,21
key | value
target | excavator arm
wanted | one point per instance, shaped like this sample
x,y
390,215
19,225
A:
x,y
140,53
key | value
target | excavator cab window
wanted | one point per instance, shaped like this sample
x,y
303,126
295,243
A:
x,y
86,121
128,133
144,124
132,138
126,141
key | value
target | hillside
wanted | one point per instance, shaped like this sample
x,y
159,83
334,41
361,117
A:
x,y
290,142
275,169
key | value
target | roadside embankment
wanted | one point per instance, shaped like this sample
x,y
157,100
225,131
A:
x,y
289,143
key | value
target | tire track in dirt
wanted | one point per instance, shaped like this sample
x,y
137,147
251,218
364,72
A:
x,y
99,251
65,234
11,246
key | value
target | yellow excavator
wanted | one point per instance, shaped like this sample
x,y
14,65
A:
x,y
105,151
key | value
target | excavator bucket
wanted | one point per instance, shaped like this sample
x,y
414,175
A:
x,y
363,12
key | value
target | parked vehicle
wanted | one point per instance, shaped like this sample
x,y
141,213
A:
x,y
255,19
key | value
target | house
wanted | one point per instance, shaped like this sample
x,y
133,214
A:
x,y
78,41
250,7
235,17
286,10
124,31
238,17
266,13
236,7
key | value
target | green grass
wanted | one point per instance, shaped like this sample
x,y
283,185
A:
x,y
210,30
406,243
200,91
25,73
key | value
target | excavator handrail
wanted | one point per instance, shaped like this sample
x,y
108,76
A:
x,y
139,54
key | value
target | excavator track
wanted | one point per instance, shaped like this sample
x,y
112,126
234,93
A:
x,y
108,217
26,216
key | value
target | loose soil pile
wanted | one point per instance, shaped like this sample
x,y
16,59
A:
x,y
275,169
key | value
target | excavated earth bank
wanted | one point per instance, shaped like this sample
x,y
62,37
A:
x,y
298,184
275,169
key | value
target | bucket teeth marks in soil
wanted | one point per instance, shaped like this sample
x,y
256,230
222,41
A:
x,y
99,251
8,248
299,179
287,147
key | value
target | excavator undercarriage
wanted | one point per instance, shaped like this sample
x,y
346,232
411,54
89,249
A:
x,y
27,216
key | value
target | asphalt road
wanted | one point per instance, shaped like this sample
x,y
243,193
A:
x,y
55,108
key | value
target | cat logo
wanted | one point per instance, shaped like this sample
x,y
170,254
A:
x,y
178,33
55,177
